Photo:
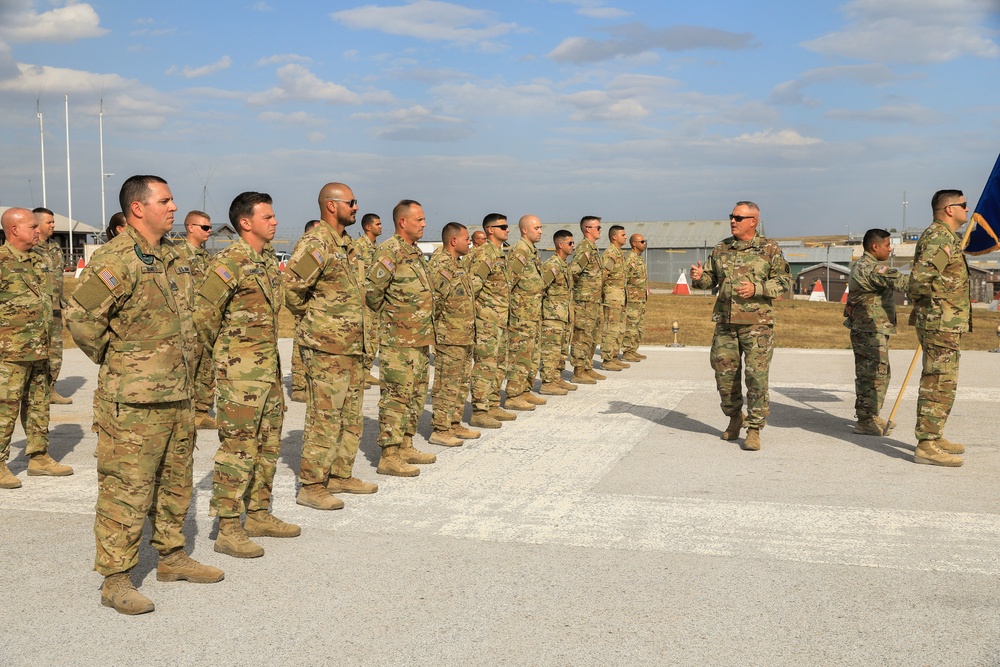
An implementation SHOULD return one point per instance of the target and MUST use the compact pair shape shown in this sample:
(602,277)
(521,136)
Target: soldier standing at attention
(588,284)
(25,319)
(324,288)
(398,288)
(491,288)
(198,226)
(557,317)
(236,317)
(371,228)
(636,295)
(613,262)
(942,312)
(298,372)
(478,238)
(750,272)
(454,336)
(525,320)
(871,317)
(52,252)
(128,315)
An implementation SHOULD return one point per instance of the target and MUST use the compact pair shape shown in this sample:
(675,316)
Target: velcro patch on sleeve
(92,293)
(215,288)
(941,259)
(306,265)
(224,273)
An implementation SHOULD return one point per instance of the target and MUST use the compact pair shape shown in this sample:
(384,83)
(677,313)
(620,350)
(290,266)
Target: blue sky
(822,112)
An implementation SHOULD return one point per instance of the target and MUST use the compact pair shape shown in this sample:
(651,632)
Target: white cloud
(429,20)
(297,83)
(33,79)
(631,39)
(417,123)
(261,7)
(294,118)
(792,92)
(776,138)
(911,113)
(912,31)
(19,22)
(595,9)
(284,58)
(219,65)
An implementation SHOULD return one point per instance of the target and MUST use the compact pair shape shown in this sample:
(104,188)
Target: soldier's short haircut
(614,230)
(368,219)
(748,204)
(561,236)
(242,207)
(944,197)
(450,231)
(873,236)
(42,209)
(401,209)
(196,214)
(311,224)
(115,225)
(493,218)
(136,188)
(588,218)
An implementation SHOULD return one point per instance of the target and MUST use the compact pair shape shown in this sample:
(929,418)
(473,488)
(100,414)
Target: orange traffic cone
(79,268)
(843,299)
(682,285)
(818,294)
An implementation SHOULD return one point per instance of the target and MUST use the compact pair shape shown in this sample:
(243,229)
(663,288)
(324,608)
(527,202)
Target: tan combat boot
(582,376)
(264,524)
(7,478)
(568,386)
(460,431)
(752,442)
(950,447)
(929,453)
(445,439)
(519,403)
(119,593)
(867,427)
(500,414)
(612,365)
(55,398)
(631,356)
(317,497)
(45,465)
(411,454)
(391,463)
(552,389)
(298,395)
(483,419)
(350,485)
(233,540)
(531,398)
(732,431)
(205,422)
(594,374)
(178,565)
(886,428)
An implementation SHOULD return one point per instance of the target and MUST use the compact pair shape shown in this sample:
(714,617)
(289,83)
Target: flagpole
(69,186)
(41,136)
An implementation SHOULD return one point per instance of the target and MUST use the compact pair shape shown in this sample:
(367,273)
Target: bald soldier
(525,320)
(25,319)
(366,244)
(478,238)
(636,295)
(54,264)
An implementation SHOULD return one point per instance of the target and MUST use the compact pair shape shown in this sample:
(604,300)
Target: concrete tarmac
(609,527)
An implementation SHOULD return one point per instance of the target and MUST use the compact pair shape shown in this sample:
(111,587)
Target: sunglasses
(963,204)
(351,203)
(741,218)
(204,228)
(503,227)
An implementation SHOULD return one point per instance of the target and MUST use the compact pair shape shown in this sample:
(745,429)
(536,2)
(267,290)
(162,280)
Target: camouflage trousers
(734,345)
(403,373)
(938,381)
(490,367)
(250,419)
(298,369)
(55,346)
(614,330)
(372,319)
(871,372)
(145,456)
(586,331)
(24,391)
(204,381)
(332,432)
(452,370)
(635,321)
(522,355)
(553,349)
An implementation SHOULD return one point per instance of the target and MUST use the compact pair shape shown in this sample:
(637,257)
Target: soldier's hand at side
(745,289)
(697,271)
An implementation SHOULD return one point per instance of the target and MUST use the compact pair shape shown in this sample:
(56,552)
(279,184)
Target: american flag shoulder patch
(224,273)
(108,278)
(883,268)
(387,263)
(318,256)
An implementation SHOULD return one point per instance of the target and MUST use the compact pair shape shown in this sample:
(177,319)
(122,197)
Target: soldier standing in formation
(750,272)
(399,290)
(25,320)
(324,288)
(942,312)
(613,299)
(588,286)
(371,229)
(557,317)
(636,294)
(236,317)
(198,226)
(491,288)
(525,319)
(454,336)
(478,238)
(298,393)
(870,314)
(55,263)
(128,315)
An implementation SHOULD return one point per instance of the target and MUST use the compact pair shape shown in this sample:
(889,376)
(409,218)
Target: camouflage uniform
(614,302)
(525,318)
(942,312)
(871,317)
(636,295)
(25,316)
(557,321)
(491,288)
(366,253)
(237,318)
(54,264)
(744,329)
(399,290)
(588,288)
(204,382)
(129,314)
(324,288)
(454,336)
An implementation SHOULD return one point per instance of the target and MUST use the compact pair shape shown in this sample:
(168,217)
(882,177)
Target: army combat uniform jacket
(614,276)
(939,282)
(399,288)
(525,283)
(491,284)
(588,272)
(870,306)
(557,300)
(25,305)
(732,261)
(636,281)
(454,307)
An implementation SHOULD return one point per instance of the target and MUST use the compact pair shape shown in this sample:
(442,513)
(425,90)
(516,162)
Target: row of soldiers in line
(153,325)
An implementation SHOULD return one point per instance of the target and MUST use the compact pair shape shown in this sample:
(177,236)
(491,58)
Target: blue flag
(984,237)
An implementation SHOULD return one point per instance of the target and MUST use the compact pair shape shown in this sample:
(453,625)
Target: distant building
(832,276)
(82,234)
